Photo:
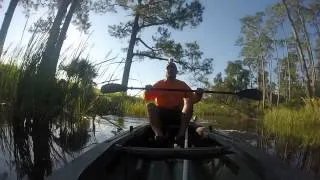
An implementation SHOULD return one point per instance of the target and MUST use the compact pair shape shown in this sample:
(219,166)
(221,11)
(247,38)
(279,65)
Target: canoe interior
(127,163)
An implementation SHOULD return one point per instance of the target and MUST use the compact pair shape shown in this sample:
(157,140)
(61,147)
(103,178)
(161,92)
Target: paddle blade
(112,88)
(254,94)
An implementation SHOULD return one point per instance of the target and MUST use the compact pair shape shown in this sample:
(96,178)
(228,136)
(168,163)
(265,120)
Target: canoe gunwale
(264,165)
(77,167)
(176,153)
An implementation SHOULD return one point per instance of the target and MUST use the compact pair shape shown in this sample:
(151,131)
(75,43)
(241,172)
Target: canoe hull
(217,156)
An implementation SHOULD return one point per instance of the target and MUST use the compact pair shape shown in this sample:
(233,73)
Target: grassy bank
(135,106)
(300,124)
(117,104)
(239,109)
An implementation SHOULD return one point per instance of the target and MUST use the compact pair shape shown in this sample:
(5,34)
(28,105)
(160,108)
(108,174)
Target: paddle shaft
(116,125)
(185,170)
(182,90)
(247,93)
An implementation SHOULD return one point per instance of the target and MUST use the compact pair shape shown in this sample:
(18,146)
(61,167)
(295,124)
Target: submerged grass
(302,124)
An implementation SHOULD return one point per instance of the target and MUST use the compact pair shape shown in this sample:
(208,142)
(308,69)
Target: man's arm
(186,116)
(195,97)
(187,111)
(148,95)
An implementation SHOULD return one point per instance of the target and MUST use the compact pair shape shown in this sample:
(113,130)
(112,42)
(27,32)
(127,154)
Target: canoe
(131,155)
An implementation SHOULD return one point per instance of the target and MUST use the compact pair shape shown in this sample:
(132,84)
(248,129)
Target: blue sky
(216,35)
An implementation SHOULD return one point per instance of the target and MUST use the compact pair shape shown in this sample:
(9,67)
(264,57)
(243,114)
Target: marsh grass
(301,124)
(239,109)
(134,107)
(206,109)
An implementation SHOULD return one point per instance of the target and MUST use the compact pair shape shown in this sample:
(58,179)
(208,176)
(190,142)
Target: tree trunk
(288,63)
(251,77)
(289,72)
(6,23)
(64,30)
(277,58)
(304,83)
(279,82)
(133,38)
(289,79)
(24,29)
(270,83)
(47,66)
(300,50)
(261,69)
(310,53)
(263,84)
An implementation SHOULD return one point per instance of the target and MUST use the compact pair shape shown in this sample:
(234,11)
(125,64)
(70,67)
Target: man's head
(171,70)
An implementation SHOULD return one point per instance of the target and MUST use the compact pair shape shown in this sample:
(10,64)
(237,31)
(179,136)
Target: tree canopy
(164,16)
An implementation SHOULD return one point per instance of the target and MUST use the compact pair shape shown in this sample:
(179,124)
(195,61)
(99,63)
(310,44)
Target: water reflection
(74,137)
(34,150)
(120,122)
(6,151)
(292,150)
(31,148)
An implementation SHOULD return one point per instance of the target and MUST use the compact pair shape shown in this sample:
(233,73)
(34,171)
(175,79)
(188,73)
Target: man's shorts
(170,120)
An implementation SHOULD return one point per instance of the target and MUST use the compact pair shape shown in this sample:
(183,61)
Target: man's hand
(148,87)
(200,92)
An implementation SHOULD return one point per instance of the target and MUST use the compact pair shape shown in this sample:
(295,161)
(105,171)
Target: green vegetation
(119,104)
(301,124)
(9,74)
(77,96)
(134,107)
(241,109)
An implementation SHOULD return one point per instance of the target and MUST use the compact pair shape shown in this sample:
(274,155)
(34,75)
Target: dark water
(25,155)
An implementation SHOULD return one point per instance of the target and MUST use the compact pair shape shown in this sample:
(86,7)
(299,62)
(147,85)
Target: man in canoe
(170,108)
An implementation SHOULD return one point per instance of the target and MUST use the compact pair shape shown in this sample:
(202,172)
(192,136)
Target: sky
(216,36)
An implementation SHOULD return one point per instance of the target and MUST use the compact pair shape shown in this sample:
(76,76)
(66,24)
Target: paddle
(247,93)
